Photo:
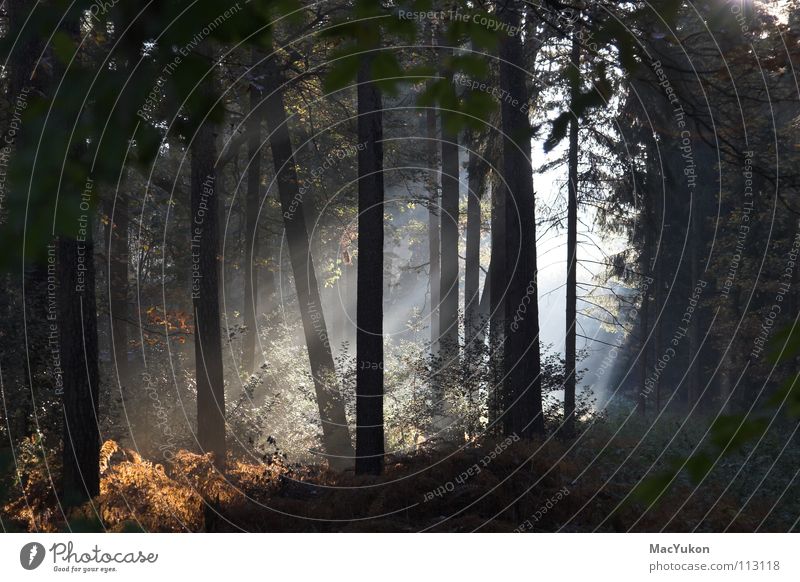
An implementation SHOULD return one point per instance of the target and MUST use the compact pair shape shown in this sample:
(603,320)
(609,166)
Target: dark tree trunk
(78,341)
(251,228)
(695,236)
(658,279)
(27,288)
(472,265)
(448,310)
(497,291)
(77,326)
(483,307)
(205,294)
(117,242)
(336,437)
(369,299)
(644,330)
(434,213)
(572,251)
(522,366)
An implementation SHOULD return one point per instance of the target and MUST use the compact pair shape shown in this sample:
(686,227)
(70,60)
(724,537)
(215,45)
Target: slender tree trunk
(472,265)
(644,330)
(523,385)
(692,374)
(570,378)
(657,343)
(336,437)
(434,229)
(77,328)
(251,232)
(448,319)
(205,294)
(117,251)
(369,299)
(28,306)
(434,223)
(77,333)
(483,308)
(497,296)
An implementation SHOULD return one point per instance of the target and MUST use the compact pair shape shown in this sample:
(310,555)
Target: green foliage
(728,434)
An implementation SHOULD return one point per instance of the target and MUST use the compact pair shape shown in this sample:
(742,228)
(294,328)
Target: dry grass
(190,495)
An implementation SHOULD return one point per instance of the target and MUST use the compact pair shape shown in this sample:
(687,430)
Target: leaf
(472,65)
(386,72)
(558,131)
(342,74)
(650,490)
(698,466)
(785,344)
(732,431)
(63,47)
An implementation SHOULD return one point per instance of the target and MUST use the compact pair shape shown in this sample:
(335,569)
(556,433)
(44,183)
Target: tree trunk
(205,246)
(77,328)
(572,250)
(497,290)
(434,222)
(369,298)
(472,265)
(117,242)
(448,318)
(251,233)
(657,343)
(692,374)
(26,296)
(522,364)
(483,307)
(433,229)
(644,330)
(336,437)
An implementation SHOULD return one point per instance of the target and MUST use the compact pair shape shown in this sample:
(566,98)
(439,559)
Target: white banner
(418,557)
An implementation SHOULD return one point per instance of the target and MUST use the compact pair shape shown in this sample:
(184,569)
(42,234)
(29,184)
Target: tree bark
(644,331)
(205,246)
(449,284)
(251,226)
(472,265)
(117,242)
(336,437)
(497,290)
(522,365)
(434,229)
(369,299)
(572,250)
(77,328)
(434,245)
(26,296)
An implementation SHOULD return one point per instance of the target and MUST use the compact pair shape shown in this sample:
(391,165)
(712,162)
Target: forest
(399,266)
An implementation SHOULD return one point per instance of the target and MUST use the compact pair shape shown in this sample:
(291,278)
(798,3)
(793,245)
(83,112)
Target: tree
(77,331)
(476,171)
(572,244)
(522,366)
(369,316)
(251,241)
(449,283)
(77,327)
(116,247)
(336,437)
(22,369)
(205,215)
(434,223)
(497,297)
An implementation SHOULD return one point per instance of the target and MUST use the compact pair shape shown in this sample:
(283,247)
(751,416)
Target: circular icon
(31,555)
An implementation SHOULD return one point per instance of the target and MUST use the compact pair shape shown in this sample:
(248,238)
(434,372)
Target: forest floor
(490,486)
